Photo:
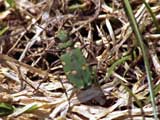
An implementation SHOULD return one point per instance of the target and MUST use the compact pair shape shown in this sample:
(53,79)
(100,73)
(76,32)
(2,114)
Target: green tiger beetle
(74,64)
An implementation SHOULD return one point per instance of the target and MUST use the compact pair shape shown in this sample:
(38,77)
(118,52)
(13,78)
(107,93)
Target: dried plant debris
(76,59)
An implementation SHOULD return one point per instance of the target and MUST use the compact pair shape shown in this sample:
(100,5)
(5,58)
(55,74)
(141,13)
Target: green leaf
(76,68)
(6,109)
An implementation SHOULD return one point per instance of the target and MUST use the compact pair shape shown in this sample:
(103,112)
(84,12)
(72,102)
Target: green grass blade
(26,108)
(152,15)
(118,62)
(138,36)
(3,30)
(5,109)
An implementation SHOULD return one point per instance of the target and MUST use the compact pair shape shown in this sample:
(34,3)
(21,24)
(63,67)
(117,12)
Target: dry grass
(31,73)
